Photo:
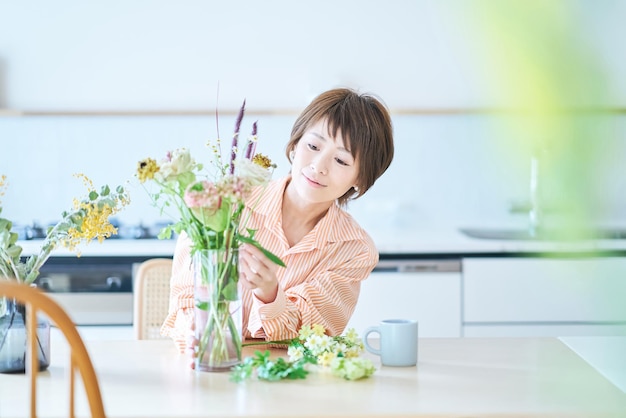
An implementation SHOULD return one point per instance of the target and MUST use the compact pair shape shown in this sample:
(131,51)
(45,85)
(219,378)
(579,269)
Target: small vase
(13,338)
(218,317)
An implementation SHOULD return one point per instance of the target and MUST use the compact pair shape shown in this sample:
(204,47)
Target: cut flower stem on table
(340,354)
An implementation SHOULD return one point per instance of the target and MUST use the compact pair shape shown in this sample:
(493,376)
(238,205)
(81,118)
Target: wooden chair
(36,301)
(151,290)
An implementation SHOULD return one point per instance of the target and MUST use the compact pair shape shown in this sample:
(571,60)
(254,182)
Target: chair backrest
(36,301)
(151,289)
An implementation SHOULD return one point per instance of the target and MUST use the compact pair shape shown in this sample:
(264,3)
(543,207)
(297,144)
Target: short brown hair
(364,123)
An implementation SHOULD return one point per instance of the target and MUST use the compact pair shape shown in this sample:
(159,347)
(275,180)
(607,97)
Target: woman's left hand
(258,273)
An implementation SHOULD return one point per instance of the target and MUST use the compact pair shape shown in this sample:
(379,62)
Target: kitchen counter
(425,241)
(607,354)
(504,377)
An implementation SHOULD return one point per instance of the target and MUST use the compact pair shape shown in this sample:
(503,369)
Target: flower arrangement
(340,354)
(209,208)
(86,221)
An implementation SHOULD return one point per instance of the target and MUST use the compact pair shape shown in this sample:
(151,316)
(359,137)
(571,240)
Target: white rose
(178,162)
(253,174)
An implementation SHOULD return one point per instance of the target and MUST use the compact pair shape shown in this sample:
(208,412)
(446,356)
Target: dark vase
(13,338)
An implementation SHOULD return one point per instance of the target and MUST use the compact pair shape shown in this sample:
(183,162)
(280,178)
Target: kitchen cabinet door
(97,308)
(544,296)
(432,298)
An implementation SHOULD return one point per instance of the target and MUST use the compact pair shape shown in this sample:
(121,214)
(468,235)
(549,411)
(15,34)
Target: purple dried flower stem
(233,148)
(251,143)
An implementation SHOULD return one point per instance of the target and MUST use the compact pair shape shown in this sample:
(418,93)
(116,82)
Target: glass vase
(218,317)
(13,338)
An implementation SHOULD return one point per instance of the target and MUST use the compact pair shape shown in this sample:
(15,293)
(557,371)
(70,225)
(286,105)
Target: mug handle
(368,347)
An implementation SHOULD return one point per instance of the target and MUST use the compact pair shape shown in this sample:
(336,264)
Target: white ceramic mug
(398,342)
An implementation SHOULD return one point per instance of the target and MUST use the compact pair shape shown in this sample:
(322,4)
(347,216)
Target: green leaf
(202,305)
(267,369)
(13,238)
(274,258)
(230,291)
(185,179)
(104,191)
(93,195)
(165,233)
(217,220)
(5,236)
(5,224)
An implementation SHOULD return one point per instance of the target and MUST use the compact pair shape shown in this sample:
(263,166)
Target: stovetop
(37,231)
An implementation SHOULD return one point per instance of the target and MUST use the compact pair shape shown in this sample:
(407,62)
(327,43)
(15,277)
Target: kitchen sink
(544,234)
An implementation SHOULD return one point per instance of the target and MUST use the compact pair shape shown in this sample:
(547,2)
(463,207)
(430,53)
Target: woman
(340,145)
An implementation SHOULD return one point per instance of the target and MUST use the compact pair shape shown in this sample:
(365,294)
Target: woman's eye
(341,162)
(312,147)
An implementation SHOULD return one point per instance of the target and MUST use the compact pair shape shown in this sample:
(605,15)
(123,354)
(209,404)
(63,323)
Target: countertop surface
(503,377)
(422,241)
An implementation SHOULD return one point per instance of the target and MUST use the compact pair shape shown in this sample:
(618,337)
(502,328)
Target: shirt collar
(333,227)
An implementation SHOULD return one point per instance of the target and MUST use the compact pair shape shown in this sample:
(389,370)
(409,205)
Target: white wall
(161,54)
(447,170)
(450,169)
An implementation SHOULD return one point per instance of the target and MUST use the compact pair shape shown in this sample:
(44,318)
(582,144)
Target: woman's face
(322,168)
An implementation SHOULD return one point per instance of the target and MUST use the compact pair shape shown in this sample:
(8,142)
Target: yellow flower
(95,225)
(91,219)
(263,161)
(3,185)
(318,329)
(146,169)
(352,335)
(326,358)
(305,332)
(86,181)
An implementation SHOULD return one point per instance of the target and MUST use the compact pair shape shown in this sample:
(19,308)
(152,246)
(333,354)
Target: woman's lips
(313,183)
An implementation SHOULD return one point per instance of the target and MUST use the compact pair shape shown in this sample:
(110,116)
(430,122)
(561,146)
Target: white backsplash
(447,170)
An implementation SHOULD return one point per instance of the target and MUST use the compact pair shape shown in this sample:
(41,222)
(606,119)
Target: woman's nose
(320,165)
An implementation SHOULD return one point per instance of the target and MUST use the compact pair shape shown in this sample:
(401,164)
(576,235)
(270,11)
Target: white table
(454,377)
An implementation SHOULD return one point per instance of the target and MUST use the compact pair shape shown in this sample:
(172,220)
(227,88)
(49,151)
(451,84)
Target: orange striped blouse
(320,284)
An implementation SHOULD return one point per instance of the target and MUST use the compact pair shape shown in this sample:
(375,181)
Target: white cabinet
(428,291)
(544,296)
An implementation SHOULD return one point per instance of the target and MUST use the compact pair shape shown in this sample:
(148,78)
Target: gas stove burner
(134,232)
(131,231)
(26,232)
(140,231)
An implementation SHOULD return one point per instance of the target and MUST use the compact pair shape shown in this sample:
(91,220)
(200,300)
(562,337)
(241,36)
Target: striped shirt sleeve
(326,295)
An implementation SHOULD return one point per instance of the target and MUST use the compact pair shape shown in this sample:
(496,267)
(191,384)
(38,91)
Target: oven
(94,290)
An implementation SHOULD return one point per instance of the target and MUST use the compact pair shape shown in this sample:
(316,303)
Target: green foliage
(269,255)
(312,346)
(270,370)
